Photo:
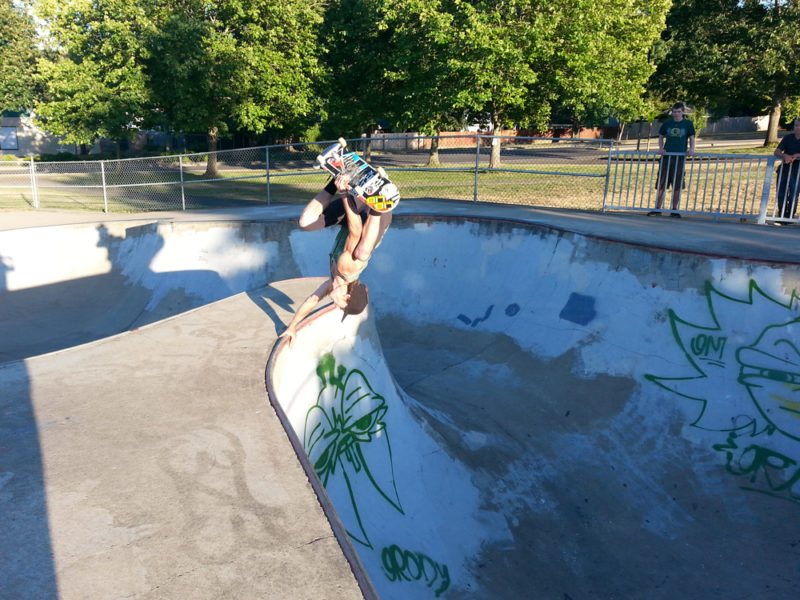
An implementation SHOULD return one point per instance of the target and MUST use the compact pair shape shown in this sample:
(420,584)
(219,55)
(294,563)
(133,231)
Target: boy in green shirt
(675,136)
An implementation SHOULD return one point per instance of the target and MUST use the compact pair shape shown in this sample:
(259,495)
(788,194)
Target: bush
(58,157)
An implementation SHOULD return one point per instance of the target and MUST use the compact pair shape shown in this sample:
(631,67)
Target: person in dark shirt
(788,151)
(676,135)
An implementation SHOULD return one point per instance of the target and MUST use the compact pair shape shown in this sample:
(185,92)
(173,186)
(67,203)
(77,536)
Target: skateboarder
(324,211)
(360,234)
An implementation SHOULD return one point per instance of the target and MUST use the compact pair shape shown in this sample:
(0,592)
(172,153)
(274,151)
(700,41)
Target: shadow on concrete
(26,552)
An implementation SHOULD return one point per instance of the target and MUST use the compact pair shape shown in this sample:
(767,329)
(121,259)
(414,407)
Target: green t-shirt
(676,134)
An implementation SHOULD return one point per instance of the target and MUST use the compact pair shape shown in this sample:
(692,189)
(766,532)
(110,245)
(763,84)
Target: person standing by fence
(676,139)
(788,151)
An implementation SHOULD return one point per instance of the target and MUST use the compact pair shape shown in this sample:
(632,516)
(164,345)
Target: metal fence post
(266,159)
(34,190)
(103,181)
(477,165)
(762,213)
(608,173)
(183,187)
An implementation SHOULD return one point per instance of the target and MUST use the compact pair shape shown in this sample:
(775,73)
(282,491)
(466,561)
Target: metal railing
(717,185)
(544,172)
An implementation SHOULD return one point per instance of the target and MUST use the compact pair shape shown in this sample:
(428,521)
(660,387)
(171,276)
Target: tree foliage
(727,53)
(94,81)
(184,65)
(18,56)
(420,64)
(249,63)
(428,63)
(357,48)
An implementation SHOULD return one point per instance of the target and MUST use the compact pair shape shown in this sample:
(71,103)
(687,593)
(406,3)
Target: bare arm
(373,230)
(305,309)
(784,156)
(355,227)
(311,219)
(691,146)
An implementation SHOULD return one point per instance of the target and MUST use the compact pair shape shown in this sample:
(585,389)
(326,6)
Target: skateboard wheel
(342,142)
(382,172)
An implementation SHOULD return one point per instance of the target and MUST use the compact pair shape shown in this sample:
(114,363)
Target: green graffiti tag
(750,344)
(769,472)
(345,434)
(407,565)
(347,440)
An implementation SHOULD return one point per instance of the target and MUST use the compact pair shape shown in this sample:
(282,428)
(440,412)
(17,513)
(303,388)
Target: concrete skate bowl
(62,286)
(524,412)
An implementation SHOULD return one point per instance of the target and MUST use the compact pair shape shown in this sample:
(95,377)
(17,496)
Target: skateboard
(368,184)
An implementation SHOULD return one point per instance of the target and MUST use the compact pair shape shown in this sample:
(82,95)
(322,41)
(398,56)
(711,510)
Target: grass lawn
(564,180)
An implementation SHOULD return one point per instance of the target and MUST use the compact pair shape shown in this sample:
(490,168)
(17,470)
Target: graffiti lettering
(757,378)
(708,346)
(406,565)
(771,473)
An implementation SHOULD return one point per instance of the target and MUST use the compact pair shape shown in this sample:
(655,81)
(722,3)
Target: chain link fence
(543,172)
(533,171)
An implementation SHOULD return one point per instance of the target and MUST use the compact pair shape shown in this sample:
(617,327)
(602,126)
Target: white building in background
(20,137)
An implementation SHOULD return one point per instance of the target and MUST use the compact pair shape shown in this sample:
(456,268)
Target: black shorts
(335,215)
(670,170)
(334,212)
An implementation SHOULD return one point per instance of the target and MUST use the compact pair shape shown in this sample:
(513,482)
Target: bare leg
(660,197)
(676,197)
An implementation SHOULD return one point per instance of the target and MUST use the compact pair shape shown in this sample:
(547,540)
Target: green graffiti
(753,345)
(345,437)
(770,369)
(769,472)
(407,565)
(347,440)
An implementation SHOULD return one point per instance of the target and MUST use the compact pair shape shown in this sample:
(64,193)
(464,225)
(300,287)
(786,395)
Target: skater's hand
(341,185)
(289,335)
(339,294)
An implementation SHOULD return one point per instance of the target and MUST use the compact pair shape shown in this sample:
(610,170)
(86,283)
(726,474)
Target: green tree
(18,56)
(246,63)
(183,65)
(605,57)
(518,58)
(420,77)
(723,53)
(94,81)
(357,49)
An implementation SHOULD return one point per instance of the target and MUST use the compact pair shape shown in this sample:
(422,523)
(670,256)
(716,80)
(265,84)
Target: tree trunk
(774,122)
(368,148)
(211,164)
(433,157)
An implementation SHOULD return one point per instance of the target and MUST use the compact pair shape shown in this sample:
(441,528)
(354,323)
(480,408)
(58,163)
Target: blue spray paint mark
(579,309)
(474,322)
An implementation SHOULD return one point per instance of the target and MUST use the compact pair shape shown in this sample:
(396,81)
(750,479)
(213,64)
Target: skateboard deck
(365,182)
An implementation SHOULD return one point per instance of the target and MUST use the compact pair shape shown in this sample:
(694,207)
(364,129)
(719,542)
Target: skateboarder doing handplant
(361,232)
(324,211)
